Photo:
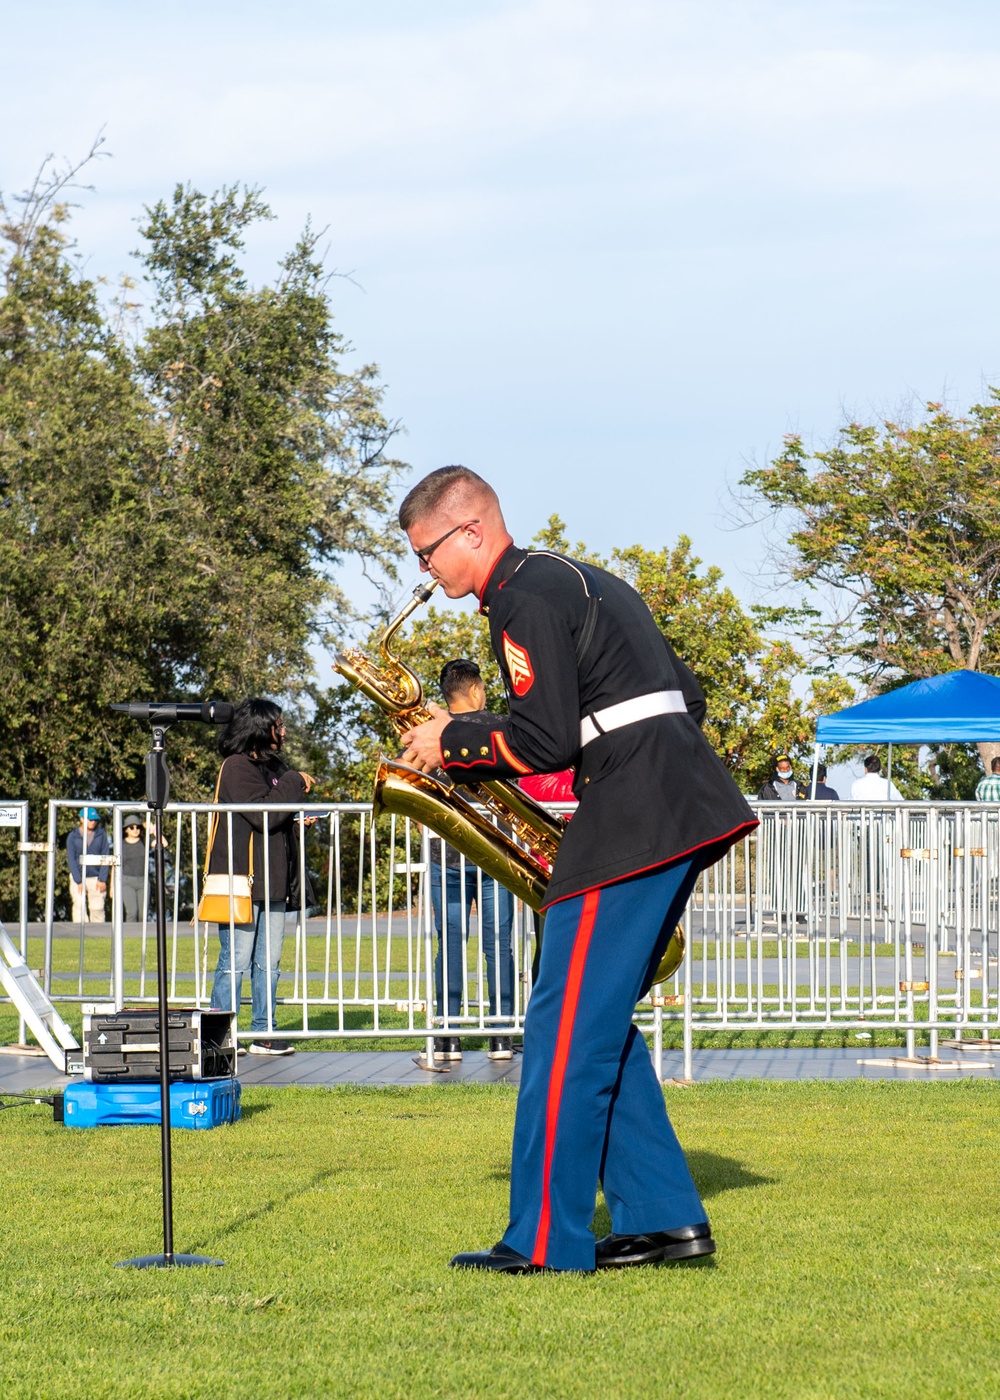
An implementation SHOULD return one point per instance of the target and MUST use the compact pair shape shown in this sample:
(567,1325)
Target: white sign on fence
(10,816)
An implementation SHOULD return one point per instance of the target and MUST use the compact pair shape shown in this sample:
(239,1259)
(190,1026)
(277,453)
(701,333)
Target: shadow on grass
(249,1110)
(714,1174)
(250,1217)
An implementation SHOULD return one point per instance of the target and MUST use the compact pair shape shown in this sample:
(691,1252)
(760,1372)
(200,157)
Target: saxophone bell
(408,792)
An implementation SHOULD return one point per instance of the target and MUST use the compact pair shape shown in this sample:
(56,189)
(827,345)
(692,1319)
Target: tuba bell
(521,861)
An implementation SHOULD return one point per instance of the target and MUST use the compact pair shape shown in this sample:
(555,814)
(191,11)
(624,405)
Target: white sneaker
(271,1047)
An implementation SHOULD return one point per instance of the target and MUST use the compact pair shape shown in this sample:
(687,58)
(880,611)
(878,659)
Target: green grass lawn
(856,1224)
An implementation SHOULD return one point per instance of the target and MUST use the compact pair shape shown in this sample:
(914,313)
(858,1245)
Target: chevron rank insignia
(519,666)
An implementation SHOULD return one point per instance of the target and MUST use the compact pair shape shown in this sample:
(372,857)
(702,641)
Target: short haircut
(821,773)
(873,764)
(249,730)
(458,677)
(439,489)
(995,765)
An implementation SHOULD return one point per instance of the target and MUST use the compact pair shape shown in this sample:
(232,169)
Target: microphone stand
(157,795)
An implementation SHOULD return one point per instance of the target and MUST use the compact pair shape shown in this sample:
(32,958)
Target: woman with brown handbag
(252,771)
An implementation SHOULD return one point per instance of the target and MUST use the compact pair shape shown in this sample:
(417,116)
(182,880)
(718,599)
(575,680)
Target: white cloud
(700,216)
(754,89)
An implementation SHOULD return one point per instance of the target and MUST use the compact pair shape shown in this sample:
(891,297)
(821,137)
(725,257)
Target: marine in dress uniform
(591,684)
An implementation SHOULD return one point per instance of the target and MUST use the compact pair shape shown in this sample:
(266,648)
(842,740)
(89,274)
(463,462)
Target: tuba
(521,861)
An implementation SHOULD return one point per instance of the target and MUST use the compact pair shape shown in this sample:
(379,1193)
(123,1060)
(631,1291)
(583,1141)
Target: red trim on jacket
(491,572)
(731,836)
(490,760)
(505,750)
(557,1075)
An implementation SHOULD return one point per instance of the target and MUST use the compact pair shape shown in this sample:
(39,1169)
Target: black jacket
(649,792)
(769,793)
(246,779)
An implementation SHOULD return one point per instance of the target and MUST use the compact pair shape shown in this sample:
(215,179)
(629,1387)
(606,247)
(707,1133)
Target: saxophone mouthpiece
(424,590)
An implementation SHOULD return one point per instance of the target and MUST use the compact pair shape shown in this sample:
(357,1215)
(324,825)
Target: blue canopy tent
(960,707)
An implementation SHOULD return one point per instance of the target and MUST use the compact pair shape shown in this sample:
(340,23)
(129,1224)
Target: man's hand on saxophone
(422,745)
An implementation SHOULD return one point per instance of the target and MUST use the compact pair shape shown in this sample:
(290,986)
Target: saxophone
(522,861)
(451,811)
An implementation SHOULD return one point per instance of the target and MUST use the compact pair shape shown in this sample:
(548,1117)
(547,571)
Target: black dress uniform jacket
(571,639)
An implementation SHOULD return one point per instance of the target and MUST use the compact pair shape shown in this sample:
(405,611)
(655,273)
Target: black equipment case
(125,1045)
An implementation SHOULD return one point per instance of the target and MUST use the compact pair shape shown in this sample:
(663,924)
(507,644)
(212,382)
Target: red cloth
(549,787)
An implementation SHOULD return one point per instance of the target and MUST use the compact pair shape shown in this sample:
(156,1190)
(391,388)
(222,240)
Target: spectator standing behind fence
(134,866)
(252,771)
(464,694)
(88,881)
(988,787)
(783,787)
(872,787)
(823,793)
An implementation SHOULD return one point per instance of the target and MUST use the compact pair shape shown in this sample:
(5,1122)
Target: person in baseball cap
(88,877)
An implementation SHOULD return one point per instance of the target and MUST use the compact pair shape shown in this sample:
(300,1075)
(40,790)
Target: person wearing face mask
(783,787)
(253,771)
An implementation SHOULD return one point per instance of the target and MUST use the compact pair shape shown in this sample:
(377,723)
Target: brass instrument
(451,811)
(398,691)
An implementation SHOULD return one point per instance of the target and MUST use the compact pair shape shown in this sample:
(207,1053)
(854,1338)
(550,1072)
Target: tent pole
(888,790)
(815,769)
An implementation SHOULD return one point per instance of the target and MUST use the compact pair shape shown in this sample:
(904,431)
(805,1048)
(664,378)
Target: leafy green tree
(900,522)
(278,455)
(748,678)
(171,506)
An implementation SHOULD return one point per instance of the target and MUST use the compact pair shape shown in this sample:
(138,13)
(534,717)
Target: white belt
(660,702)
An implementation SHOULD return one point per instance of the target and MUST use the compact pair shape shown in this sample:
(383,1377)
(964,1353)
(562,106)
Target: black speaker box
(126,1045)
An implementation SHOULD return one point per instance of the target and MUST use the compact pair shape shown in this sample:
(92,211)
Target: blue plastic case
(206,1103)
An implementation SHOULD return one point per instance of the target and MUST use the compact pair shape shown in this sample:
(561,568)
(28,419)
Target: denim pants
(495,918)
(590,1108)
(249,953)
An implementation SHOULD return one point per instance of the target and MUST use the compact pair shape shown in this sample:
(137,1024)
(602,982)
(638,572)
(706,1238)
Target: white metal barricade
(830,915)
(835,914)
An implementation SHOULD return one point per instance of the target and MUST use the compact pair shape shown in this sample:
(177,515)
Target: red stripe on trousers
(571,998)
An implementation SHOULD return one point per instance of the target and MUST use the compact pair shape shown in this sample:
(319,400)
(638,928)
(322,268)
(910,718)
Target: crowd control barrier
(830,915)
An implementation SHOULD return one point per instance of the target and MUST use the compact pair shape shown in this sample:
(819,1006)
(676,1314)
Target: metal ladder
(41,1017)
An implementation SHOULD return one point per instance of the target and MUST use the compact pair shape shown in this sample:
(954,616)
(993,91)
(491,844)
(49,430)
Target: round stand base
(176,1261)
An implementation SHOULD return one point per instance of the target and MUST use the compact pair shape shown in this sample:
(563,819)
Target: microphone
(167,712)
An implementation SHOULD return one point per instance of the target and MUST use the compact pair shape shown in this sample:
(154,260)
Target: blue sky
(609,251)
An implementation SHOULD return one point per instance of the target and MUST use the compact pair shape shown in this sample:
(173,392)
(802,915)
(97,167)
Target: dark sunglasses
(423,555)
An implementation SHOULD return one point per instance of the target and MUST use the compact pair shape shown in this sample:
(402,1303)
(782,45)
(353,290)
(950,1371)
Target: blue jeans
(249,953)
(492,912)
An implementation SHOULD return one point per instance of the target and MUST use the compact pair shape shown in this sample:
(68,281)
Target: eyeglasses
(424,555)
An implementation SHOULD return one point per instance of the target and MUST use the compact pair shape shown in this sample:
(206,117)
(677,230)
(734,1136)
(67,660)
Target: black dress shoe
(621,1251)
(501,1259)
